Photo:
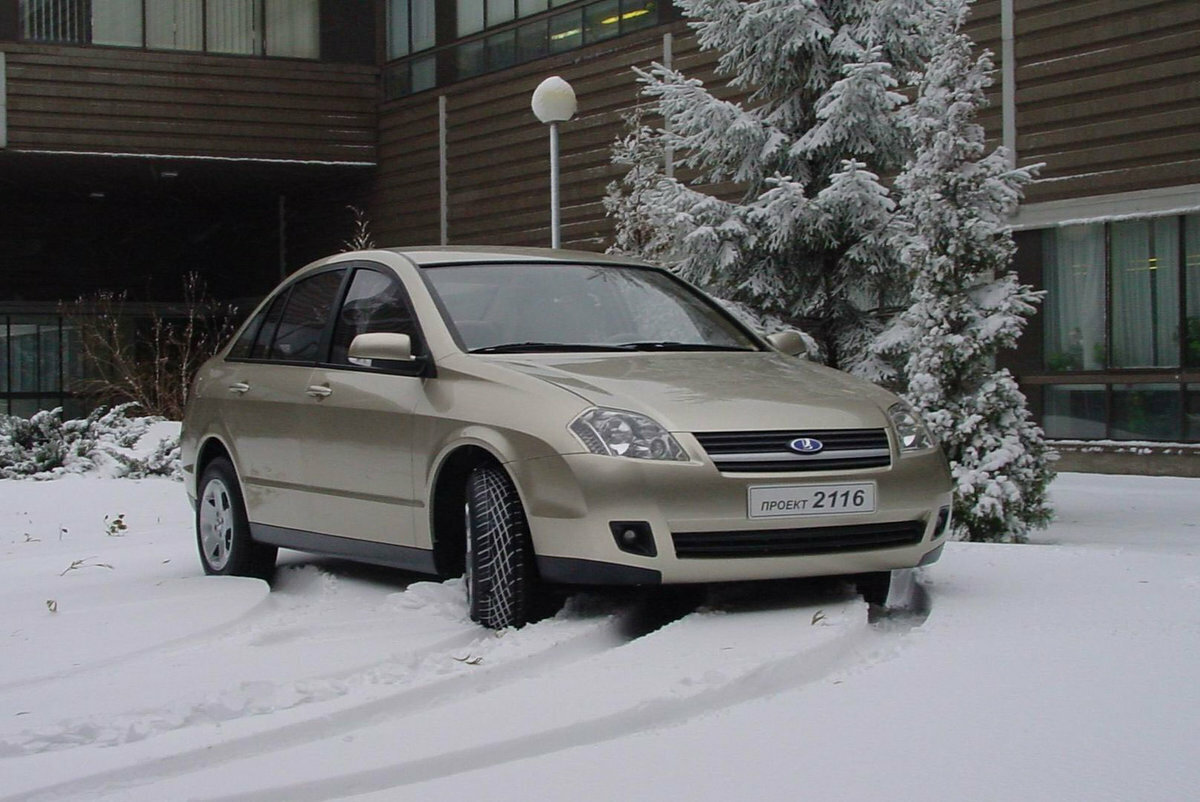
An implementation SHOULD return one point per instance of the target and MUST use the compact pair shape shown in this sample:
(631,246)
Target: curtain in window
(1073,259)
(117,22)
(175,24)
(397,21)
(527,7)
(233,26)
(423,24)
(470,17)
(1145,293)
(53,20)
(293,28)
(500,11)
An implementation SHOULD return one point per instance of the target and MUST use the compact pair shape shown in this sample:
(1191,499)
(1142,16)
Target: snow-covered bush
(108,441)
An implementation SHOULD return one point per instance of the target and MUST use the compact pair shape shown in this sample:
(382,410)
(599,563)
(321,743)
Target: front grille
(768,452)
(793,542)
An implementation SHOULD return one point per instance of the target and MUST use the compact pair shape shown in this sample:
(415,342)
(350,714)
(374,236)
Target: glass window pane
(293,28)
(373,303)
(470,59)
(49,354)
(53,20)
(24,357)
(4,345)
(397,13)
(1073,261)
(424,73)
(1193,412)
(308,307)
(175,24)
(1074,411)
(117,22)
(566,31)
(1145,293)
(424,30)
(499,12)
(232,26)
(262,343)
(245,341)
(470,17)
(1191,237)
(601,21)
(396,81)
(501,50)
(1146,412)
(527,8)
(532,42)
(637,14)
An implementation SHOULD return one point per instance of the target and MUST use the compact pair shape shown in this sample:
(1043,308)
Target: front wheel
(223,530)
(500,575)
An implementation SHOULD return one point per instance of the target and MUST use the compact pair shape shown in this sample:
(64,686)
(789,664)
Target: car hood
(715,391)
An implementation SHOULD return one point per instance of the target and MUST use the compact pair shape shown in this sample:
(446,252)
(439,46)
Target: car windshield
(525,308)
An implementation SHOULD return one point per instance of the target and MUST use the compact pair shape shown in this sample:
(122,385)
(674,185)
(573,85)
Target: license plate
(786,501)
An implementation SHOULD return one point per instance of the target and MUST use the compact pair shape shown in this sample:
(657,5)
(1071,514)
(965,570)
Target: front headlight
(909,429)
(617,433)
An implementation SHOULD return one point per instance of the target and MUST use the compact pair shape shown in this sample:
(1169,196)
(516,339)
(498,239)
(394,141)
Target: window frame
(86,33)
(421,365)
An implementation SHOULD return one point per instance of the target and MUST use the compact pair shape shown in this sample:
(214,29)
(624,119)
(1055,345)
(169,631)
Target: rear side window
(298,335)
(266,333)
(374,303)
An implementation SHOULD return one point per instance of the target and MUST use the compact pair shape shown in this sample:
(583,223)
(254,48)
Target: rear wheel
(500,576)
(222,529)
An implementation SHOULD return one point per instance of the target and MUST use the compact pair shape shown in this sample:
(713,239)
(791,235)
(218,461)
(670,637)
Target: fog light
(943,521)
(634,537)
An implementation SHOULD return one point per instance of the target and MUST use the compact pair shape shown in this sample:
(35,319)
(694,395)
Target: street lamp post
(554,102)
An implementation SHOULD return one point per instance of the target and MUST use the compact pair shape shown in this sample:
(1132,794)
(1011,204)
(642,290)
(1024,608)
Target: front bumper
(571,502)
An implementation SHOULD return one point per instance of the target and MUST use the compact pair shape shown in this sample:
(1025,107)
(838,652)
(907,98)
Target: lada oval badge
(806,445)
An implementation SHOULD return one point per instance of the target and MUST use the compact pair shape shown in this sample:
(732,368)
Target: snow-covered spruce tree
(786,211)
(967,305)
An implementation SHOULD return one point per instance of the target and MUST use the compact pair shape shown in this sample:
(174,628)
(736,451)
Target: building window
(490,35)
(1114,291)
(39,362)
(1145,293)
(280,28)
(1075,411)
(411,26)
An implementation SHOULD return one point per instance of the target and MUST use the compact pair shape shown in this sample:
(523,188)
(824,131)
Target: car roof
(428,256)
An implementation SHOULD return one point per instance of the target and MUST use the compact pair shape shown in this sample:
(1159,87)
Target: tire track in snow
(678,699)
(580,639)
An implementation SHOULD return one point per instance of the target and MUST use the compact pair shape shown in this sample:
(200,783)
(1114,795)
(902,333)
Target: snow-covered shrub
(108,441)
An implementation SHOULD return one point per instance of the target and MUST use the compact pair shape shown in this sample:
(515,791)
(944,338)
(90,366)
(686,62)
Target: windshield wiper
(668,345)
(534,347)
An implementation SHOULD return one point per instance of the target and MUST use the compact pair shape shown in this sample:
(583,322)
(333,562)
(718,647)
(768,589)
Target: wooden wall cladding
(112,100)
(1108,94)
(498,152)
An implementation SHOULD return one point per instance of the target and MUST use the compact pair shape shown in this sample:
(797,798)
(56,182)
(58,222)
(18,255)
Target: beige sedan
(527,417)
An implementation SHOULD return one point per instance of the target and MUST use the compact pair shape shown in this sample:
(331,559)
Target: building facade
(145,139)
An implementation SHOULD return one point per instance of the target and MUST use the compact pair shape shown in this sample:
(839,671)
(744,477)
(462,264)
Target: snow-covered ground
(1066,670)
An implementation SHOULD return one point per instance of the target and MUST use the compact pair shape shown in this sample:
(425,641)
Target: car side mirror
(789,342)
(383,345)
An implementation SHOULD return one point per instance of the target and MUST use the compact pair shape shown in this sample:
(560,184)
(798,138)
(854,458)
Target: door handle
(319,390)
(239,388)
